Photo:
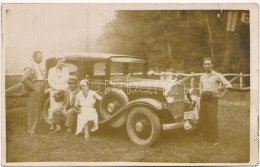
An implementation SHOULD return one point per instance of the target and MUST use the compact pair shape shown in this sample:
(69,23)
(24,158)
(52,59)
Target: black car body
(145,106)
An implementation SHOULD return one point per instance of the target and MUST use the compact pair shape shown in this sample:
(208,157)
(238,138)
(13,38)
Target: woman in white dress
(57,78)
(85,101)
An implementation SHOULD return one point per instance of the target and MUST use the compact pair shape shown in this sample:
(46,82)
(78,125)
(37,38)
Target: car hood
(145,83)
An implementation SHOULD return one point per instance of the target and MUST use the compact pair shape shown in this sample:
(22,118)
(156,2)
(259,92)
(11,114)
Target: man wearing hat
(67,111)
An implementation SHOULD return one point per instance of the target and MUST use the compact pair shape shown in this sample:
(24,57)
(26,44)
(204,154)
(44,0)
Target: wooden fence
(164,75)
(192,76)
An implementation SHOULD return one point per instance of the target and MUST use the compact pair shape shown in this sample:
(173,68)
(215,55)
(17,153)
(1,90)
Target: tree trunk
(210,36)
(168,45)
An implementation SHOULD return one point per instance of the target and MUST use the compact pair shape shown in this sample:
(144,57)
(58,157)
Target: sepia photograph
(129,84)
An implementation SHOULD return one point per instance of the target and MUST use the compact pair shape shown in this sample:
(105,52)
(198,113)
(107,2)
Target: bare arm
(97,96)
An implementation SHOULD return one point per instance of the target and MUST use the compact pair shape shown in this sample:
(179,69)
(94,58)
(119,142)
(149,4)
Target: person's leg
(213,120)
(33,103)
(57,119)
(203,117)
(86,130)
(70,119)
(52,104)
(32,112)
(95,121)
(58,128)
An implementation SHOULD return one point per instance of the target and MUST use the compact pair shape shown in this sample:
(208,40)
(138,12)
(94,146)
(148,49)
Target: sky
(50,28)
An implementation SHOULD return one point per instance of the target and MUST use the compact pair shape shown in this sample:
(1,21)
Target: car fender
(119,117)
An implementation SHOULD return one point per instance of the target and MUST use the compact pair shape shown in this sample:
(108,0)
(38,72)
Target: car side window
(99,70)
(116,69)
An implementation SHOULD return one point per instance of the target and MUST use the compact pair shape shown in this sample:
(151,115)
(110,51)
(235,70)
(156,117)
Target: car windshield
(121,67)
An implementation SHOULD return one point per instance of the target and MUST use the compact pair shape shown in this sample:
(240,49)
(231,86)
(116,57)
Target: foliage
(179,39)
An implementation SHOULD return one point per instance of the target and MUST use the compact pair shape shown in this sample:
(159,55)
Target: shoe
(31,133)
(56,131)
(215,144)
(51,128)
(69,130)
(94,128)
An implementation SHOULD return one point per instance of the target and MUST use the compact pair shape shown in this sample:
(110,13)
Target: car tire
(112,100)
(45,113)
(143,126)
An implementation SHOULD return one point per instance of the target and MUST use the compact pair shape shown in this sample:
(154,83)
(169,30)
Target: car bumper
(186,125)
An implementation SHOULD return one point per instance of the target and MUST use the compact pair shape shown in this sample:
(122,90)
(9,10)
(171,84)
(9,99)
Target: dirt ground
(112,144)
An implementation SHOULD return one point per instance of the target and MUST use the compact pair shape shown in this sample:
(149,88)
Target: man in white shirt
(33,81)
(209,89)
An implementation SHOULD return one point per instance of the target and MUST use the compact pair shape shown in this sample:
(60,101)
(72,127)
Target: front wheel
(143,126)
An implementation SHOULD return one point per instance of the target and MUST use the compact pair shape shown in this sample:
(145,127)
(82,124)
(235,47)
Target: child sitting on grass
(85,101)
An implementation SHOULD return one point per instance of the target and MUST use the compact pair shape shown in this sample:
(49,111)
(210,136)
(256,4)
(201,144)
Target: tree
(178,39)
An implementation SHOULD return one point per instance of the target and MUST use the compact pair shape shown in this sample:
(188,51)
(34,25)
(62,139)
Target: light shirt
(57,82)
(38,72)
(210,82)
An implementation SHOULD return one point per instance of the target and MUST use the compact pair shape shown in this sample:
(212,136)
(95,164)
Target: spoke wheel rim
(141,126)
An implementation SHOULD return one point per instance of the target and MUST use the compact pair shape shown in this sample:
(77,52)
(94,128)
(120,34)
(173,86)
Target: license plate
(188,115)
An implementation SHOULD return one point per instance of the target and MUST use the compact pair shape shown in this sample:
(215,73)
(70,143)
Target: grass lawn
(112,144)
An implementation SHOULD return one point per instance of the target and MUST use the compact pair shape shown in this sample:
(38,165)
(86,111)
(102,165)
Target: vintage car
(144,106)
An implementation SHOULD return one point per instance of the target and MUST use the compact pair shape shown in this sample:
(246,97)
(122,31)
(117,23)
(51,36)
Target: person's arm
(224,82)
(65,77)
(66,99)
(26,79)
(76,104)
(97,96)
(50,80)
(201,85)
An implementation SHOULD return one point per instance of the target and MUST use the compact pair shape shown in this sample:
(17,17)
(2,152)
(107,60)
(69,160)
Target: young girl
(85,101)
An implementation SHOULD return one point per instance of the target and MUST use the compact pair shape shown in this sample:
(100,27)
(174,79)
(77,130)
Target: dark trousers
(71,117)
(208,115)
(34,106)
(59,116)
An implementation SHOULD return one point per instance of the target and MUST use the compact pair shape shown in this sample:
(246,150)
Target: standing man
(209,87)
(33,81)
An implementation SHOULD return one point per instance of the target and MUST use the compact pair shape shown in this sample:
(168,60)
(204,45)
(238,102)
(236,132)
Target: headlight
(169,99)
(191,94)
(173,93)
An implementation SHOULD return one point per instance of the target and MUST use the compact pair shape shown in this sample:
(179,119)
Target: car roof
(90,56)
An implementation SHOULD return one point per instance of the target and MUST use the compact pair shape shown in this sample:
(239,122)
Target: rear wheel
(46,111)
(143,126)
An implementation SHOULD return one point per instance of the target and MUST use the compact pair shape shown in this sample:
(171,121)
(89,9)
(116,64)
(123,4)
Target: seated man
(68,111)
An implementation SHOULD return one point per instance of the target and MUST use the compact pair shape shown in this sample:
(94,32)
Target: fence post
(241,81)
(192,80)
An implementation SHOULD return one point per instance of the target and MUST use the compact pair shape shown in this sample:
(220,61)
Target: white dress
(87,110)
(56,83)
